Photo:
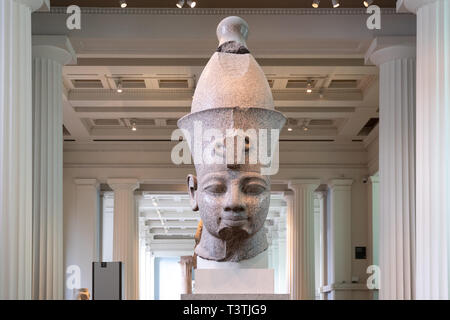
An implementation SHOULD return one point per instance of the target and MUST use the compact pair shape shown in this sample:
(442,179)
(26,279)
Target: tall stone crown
(232,91)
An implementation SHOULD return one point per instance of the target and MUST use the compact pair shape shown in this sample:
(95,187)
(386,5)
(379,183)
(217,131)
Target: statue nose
(234,201)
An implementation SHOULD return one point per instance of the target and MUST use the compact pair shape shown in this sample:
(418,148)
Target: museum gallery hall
(94,190)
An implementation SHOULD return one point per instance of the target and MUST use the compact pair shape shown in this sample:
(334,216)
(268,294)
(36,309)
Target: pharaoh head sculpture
(232,132)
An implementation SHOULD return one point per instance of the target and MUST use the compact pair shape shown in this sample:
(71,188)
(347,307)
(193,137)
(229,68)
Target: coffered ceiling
(342,106)
(159,57)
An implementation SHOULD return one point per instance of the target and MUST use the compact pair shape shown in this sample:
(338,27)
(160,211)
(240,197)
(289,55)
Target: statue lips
(234,220)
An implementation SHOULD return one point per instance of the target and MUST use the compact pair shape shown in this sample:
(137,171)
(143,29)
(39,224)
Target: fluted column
(374,223)
(125,247)
(186,264)
(289,198)
(50,53)
(81,246)
(432,148)
(274,259)
(16,148)
(282,259)
(396,58)
(301,238)
(340,233)
(322,198)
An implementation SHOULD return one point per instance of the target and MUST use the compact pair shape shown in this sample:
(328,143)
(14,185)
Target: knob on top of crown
(232,29)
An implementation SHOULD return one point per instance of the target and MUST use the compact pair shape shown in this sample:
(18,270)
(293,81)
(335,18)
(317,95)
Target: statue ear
(192,188)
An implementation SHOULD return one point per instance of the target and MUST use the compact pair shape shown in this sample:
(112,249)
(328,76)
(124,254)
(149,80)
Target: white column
(432,148)
(50,53)
(340,236)
(16,148)
(322,198)
(186,265)
(274,256)
(396,58)
(282,258)
(126,238)
(374,224)
(289,198)
(83,236)
(301,238)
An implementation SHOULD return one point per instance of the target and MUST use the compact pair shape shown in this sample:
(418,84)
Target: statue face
(233,204)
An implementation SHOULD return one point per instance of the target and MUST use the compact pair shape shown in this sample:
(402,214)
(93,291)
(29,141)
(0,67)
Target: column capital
(288,194)
(375,178)
(57,48)
(87,182)
(187,260)
(412,5)
(321,194)
(303,183)
(123,184)
(385,49)
(34,4)
(340,183)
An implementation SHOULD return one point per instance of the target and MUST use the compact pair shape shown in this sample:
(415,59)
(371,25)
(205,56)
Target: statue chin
(230,233)
(232,245)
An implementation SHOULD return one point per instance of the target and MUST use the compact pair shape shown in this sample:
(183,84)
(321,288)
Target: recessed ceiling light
(123,4)
(309,88)
(134,128)
(119,86)
(336,3)
(180,4)
(305,125)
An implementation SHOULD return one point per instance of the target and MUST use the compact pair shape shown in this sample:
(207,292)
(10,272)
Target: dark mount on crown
(232,47)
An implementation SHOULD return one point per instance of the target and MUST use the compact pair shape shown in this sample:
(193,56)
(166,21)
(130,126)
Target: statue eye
(216,188)
(254,189)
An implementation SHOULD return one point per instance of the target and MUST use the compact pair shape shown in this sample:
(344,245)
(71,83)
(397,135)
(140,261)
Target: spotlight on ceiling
(180,4)
(123,4)
(191,3)
(367,3)
(305,125)
(336,3)
(316,4)
(289,125)
(119,86)
(309,88)
(134,128)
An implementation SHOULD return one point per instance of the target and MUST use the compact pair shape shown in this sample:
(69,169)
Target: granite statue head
(232,132)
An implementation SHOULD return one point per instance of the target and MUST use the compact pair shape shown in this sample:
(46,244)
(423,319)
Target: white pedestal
(235,297)
(234,281)
(261,261)
(245,280)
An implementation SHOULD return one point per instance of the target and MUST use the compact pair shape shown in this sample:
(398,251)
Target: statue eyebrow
(213,176)
(246,179)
